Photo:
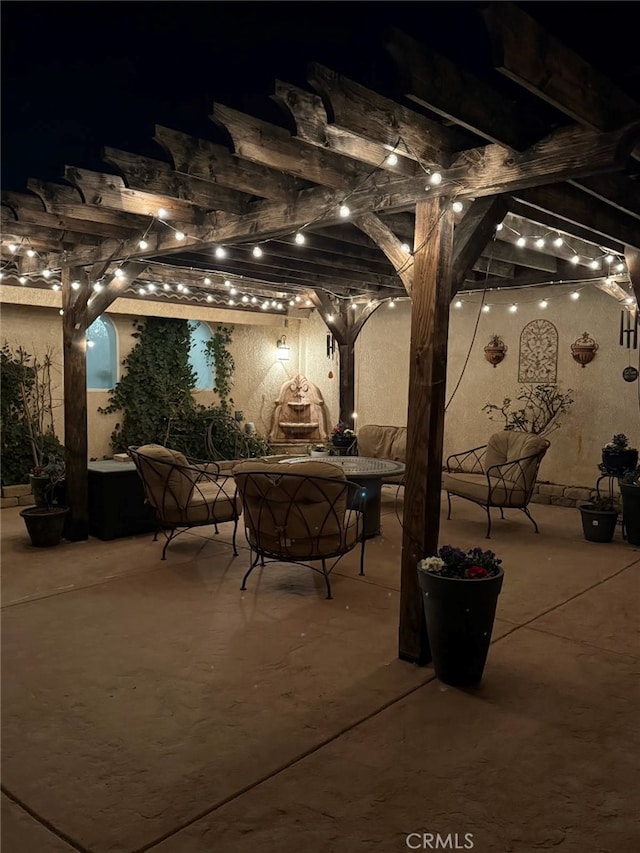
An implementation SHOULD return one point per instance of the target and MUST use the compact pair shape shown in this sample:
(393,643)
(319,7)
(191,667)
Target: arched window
(200,334)
(102,360)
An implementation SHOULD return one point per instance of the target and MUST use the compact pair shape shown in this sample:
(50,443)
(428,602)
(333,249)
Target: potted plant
(599,518)
(343,437)
(318,450)
(630,492)
(460,592)
(45,521)
(618,456)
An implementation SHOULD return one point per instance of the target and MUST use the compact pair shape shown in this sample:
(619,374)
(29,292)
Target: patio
(153,706)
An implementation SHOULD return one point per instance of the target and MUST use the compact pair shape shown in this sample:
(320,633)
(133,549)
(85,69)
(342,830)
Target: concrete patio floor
(152,705)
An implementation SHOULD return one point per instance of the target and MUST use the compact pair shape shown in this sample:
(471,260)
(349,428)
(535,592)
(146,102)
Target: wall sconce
(584,349)
(283,348)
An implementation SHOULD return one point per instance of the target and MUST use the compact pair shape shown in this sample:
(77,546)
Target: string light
(256,252)
(143,244)
(300,238)
(543,303)
(435,179)
(344,211)
(457,206)
(558,242)
(392,159)
(513,308)
(75,285)
(220,252)
(458,304)
(521,241)
(162,213)
(575,295)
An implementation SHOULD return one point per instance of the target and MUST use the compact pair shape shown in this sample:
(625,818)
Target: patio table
(367,472)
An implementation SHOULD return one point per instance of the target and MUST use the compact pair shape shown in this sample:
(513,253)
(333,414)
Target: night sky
(80,75)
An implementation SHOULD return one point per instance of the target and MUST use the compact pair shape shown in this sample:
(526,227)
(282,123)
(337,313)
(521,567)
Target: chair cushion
(169,486)
(476,488)
(509,445)
(210,503)
(383,442)
(297,510)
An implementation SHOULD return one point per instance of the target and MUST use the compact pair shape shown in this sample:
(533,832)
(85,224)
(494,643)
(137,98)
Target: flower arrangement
(451,562)
(618,442)
(53,469)
(341,428)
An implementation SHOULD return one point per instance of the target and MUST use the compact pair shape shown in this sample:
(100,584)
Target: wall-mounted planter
(495,351)
(584,349)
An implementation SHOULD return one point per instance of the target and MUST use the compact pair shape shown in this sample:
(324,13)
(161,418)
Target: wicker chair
(499,474)
(184,492)
(300,513)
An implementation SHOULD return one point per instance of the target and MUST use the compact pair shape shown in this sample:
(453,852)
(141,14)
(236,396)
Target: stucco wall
(258,374)
(604,403)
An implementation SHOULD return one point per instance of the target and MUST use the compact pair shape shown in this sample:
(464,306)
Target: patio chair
(301,513)
(184,492)
(499,474)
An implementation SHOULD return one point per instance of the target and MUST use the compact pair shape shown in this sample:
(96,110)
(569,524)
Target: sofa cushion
(384,442)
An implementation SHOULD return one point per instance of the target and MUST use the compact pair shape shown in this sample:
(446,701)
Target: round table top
(356,466)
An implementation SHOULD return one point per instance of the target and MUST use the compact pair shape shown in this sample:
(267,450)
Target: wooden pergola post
(425,421)
(74,326)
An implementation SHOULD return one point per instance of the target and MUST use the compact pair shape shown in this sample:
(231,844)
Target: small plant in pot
(45,521)
(460,592)
(618,456)
(343,436)
(599,518)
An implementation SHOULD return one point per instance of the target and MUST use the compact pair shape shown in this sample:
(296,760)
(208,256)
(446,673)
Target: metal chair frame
(269,513)
(506,478)
(193,477)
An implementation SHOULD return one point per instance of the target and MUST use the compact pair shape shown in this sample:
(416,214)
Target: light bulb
(23,279)
(540,243)
(620,268)
(392,159)
(458,304)
(151,287)
(245,298)
(61,312)
(12,248)
(75,285)
(575,295)
(435,179)
(143,244)
(521,241)
(457,206)
(558,242)
(233,291)
(629,300)
(513,308)
(265,305)
(118,273)
(166,286)
(329,318)
(257,252)
(55,286)
(232,302)
(97,287)
(207,280)
(142,291)
(575,259)
(209,297)
(543,303)
(486,308)
(499,227)
(299,238)
(180,235)
(31,253)
(392,304)
(91,344)
(162,213)
(609,259)
(594,264)
(220,252)
(253,300)
(406,248)
(46,273)
(344,211)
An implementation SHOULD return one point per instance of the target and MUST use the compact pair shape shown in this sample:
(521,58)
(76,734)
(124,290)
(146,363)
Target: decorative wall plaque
(538,361)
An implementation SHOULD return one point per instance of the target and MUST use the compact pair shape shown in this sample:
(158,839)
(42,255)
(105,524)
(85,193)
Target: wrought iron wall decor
(538,362)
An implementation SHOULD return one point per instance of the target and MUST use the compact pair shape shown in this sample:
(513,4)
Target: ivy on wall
(155,395)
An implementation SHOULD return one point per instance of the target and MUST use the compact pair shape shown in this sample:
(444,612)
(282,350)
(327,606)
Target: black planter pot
(346,444)
(459,614)
(631,512)
(598,525)
(45,525)
(619,461)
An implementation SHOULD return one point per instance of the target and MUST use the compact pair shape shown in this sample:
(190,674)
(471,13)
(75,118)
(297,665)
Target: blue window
(200,334)
(102,360)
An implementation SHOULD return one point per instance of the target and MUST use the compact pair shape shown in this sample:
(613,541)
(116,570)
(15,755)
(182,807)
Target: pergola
(355,197)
